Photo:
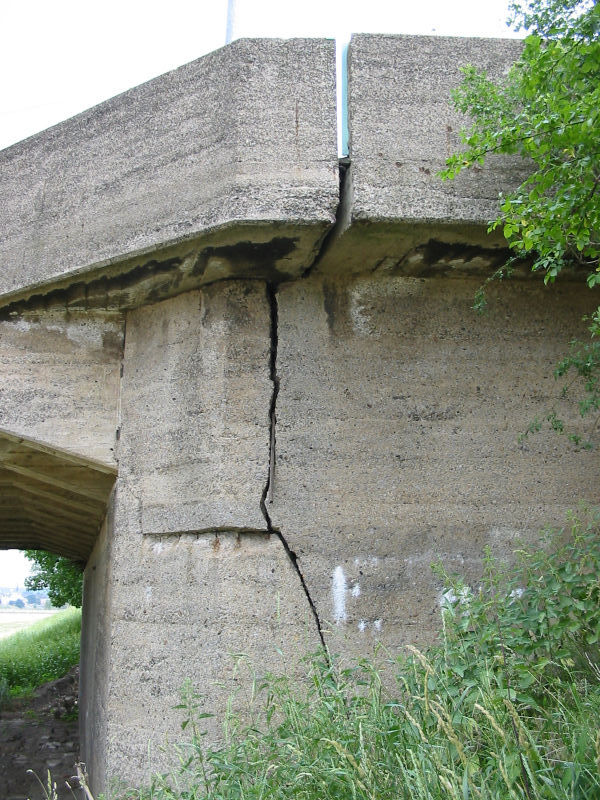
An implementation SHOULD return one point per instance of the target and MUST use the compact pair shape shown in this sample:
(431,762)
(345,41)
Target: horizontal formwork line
(207,531)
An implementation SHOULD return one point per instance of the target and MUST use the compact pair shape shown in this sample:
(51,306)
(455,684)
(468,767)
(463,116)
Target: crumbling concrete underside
(260,428)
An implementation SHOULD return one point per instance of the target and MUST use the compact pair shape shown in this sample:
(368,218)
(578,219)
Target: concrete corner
(403,127)
(243,138)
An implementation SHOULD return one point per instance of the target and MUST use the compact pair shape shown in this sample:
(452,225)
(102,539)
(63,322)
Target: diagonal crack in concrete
(267,495)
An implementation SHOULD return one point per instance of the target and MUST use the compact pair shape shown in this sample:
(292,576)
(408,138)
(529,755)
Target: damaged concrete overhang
(50,499)
(227,168)
(223,168)
(270,252)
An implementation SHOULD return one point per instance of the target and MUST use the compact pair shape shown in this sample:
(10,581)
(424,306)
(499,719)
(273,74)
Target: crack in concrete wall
(267,495)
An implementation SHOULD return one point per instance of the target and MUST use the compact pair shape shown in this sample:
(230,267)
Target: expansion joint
(341,216)
(267,494)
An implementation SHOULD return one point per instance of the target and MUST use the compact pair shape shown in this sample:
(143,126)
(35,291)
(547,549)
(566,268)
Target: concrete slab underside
(50,499)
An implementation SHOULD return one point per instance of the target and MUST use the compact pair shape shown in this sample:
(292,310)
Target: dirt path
(40,735)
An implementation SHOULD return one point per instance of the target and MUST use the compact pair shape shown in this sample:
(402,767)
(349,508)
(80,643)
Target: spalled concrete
(242,139)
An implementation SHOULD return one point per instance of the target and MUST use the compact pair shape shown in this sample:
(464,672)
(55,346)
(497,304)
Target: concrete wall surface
(243,135)
(195,574)
(402,128)
(257,402)
(395,445)
(398,417)
(196,368)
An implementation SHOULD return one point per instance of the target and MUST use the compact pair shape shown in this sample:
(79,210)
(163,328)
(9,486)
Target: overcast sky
(13,568)
(60,57)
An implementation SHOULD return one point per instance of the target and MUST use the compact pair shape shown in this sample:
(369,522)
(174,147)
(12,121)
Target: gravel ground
(40,734)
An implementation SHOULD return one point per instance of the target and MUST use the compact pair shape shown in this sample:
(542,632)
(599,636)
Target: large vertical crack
(267,495)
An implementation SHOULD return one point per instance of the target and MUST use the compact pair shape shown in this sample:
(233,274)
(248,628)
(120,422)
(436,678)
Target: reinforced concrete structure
(242,382)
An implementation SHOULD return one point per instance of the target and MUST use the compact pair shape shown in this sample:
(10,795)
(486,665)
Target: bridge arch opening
(55,500)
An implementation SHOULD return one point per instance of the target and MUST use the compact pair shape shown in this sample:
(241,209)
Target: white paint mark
(377,624)
(338,591)
(362,625)
(361,315)
(447,599)
(368,561)
(368,297)
(158,547)
(148,594)
(80,334)
(355,590)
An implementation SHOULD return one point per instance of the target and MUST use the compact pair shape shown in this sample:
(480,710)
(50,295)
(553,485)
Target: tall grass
(506,707)
(42,652)
(347,739)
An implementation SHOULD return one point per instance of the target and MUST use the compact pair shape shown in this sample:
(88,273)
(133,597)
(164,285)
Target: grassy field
(15,620)
(42,652)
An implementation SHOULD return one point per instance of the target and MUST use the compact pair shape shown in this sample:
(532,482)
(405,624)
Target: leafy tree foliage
(547,111)
(62,577)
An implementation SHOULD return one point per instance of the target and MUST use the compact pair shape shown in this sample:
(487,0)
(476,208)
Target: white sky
(59,57)
(13,568)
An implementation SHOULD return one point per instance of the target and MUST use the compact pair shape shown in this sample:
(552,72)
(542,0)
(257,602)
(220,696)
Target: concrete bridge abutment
(257,408)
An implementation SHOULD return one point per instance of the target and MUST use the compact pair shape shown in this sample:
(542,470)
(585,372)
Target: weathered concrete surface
(393,409)
(183,607)
(402,128)
(241,138)
(95,672)
(194,576)
(194,448)
(60,379)
(265,252)
(397,422)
